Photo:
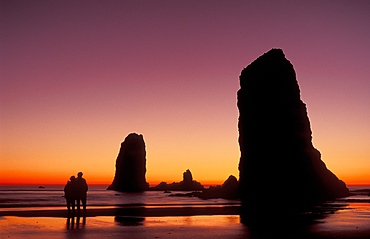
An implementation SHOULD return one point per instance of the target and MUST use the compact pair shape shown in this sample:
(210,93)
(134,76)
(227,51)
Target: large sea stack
(131,166)
(278,162)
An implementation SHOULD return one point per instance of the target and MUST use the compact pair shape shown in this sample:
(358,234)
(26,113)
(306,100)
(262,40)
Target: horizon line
(150,185)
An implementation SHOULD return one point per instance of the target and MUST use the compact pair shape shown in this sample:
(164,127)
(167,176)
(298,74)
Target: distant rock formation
(187,184)
(131,166)
(187,177)
(228,190)
(278,161)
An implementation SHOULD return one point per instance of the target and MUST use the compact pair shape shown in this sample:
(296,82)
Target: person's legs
(68,204)
(84,202)
(78,204)
(73,202)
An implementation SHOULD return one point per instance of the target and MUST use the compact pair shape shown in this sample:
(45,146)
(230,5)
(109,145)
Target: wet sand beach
(343,221)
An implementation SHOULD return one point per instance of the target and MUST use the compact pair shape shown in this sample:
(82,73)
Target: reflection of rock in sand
(129,221)
(275,138)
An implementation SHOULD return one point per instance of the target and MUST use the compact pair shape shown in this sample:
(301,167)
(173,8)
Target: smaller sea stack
(131,166)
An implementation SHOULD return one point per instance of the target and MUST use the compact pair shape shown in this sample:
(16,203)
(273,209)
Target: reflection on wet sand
(250,216)
(129,221)
(73,221)
(325,222)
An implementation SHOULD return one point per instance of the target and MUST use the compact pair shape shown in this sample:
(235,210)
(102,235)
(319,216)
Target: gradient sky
(78,76)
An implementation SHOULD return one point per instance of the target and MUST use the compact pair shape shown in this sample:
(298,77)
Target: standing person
(70,193)
(81,190)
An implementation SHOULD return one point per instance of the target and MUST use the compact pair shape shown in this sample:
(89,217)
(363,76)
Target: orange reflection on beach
(26,226)
(201,221)
(352,220)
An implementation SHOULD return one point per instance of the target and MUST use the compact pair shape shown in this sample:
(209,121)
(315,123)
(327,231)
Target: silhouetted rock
(275,138)
(131,166)
(187,177)
(160,187)
(187,184)
(228,190)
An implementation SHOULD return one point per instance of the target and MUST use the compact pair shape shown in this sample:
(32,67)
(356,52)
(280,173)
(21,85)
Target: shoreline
(8,206)
(129,211)
(163,210)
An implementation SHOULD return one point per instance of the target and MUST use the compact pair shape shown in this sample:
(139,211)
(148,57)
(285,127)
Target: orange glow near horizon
(33,179)
(29,178)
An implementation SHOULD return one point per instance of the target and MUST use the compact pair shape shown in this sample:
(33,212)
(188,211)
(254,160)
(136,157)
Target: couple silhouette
(75,190)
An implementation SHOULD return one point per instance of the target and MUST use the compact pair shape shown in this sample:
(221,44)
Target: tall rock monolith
(131,165)
(278,162)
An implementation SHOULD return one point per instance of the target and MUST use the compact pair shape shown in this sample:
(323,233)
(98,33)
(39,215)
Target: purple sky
(78,76)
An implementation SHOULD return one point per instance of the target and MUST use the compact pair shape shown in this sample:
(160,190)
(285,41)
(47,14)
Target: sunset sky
(76,77)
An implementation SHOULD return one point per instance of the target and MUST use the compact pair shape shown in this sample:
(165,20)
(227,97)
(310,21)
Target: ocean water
(21,196)
(31,196)
(345,218)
